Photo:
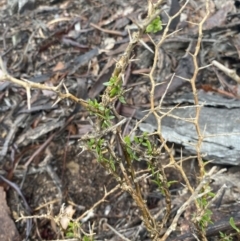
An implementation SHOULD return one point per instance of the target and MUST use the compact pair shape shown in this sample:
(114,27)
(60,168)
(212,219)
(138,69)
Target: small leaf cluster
(72,230)
(225,237)
(132,145)
(129,148)
(86,238)
(116,88)
(100,147)
(155,26)
(206,217)
(102,112)
(96,105)
(144,141)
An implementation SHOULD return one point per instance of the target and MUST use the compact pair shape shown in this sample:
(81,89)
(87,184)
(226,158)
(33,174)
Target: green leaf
(113,79)
(107,84)
(232,223)
(225,237)
(149,146)
(136,139)
(171,182)
(70,235)
(111,117)
(86,238)
(127,140)
(113,92)
(154,26)
(149,29)
(112,165)
(122,100)
(211,194)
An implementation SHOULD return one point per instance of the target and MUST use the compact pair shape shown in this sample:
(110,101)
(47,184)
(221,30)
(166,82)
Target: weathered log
(219,123)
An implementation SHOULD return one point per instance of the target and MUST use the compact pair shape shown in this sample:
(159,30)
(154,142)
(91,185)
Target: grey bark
(219,123)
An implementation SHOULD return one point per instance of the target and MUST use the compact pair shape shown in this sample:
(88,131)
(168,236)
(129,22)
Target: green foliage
(111,82)
(157,179)
(129,148)
(72,230)
(86,238)
(233,225)
(99,146)
(203,202)
(104,113)
(225,237)
(144,141)
(94,104)
(122,100)
(141,141)
(155,26)
(206,217)
(116,88)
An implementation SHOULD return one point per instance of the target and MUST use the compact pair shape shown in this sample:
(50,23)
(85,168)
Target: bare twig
(229,72)
(106,194)
(28,85)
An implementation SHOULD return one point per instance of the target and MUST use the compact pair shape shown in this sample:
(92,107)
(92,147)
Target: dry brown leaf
(59,66)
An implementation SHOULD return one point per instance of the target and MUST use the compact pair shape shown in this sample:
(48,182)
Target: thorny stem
(28,85)
(136,193)
(118,72)
(123,62)
(198,109)
(158,119)
(194,90)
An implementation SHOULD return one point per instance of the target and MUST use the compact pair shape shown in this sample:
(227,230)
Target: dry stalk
(131,186)
(147,218)
(194,89)
(28,85)
(229,72)
(198,108)
(124,60)
(195,195)
(195,120)
(158,119)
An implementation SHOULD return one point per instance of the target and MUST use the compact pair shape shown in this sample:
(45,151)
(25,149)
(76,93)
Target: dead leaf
(66,216)
(95,66)
(59,66)
(109,43)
